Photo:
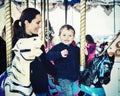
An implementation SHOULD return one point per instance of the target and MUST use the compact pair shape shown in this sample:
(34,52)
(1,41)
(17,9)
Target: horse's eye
(106,65)
(34,39)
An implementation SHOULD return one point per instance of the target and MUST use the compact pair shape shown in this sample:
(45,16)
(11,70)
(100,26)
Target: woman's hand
(85,51)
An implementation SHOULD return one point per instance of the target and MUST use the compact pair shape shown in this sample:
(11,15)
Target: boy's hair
(69,27)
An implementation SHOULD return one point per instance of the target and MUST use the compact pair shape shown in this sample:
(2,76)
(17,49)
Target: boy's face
(67,36)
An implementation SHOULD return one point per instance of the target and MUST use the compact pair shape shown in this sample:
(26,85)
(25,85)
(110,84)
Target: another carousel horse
(97,73)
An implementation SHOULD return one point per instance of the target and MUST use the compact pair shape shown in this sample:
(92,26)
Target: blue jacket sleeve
(54,54)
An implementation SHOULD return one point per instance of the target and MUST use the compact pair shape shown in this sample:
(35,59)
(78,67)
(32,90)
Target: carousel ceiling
(72,2)
(107,5)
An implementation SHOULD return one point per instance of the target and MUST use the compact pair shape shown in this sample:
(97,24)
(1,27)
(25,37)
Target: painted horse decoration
(16,80)
(98,72)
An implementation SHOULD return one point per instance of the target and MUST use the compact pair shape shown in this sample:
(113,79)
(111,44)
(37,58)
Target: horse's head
(108,64)
(28,48)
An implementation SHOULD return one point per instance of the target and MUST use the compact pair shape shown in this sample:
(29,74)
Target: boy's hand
(64,53)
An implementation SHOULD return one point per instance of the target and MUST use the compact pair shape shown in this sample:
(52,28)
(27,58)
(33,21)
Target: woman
(29,71)
(90,48)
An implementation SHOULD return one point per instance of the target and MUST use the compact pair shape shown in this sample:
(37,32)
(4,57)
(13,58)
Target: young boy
(67,59)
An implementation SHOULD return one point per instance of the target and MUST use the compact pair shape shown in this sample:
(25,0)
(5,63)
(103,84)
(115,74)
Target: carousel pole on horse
(110,44)
(43,20)
(82,33)
(27,3)
(8,37)
(48,29)
(8,32)
(82,36)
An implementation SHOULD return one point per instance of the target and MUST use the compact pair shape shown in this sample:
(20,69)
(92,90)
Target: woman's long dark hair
(19,25)
(89,39)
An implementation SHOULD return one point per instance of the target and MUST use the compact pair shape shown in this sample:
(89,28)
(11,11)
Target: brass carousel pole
(43,20)
(8,26)
(48,29)
(82,33)
(26,3)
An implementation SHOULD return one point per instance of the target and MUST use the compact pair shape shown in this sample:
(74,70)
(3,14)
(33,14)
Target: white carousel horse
(18,82)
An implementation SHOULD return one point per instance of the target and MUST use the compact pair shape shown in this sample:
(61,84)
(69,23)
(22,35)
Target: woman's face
(34,26)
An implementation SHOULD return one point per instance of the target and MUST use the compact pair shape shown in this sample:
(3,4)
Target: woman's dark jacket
(39,70)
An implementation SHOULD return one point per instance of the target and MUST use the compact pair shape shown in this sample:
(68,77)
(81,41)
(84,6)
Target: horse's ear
(110,54)
(16,49)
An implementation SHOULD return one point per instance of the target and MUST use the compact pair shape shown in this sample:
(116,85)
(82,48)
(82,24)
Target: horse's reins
(110,44)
